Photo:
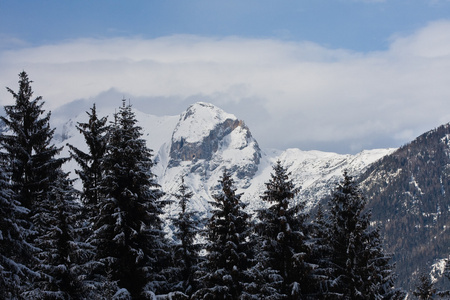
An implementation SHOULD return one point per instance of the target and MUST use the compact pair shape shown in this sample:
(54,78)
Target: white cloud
(331,99)
(430,42)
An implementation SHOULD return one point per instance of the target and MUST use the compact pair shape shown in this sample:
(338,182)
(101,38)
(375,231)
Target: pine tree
(29,146)
(425,288)
(320,251)
(283,229)
(227,245)
(95,133)
(360,268)
(264,283)
(15,252)
(31,157)
(91,172)
(61,252)
(128,232)
(186,250)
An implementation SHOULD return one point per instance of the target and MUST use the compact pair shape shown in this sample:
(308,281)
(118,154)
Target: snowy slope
(204,140)
(314,172)
(198,121)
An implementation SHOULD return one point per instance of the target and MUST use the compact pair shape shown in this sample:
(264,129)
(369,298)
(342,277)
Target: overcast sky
(335,75)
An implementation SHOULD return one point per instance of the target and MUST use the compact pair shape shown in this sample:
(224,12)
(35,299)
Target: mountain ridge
(203,140)
(409,194)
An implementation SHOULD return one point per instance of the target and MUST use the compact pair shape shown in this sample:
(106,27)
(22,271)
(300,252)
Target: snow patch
(198,121)
(437,269)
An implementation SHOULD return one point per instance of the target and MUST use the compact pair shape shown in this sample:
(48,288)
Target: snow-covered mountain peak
(204,140)
(206,132)
(198,120)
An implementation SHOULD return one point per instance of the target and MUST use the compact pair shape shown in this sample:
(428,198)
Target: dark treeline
(107,241)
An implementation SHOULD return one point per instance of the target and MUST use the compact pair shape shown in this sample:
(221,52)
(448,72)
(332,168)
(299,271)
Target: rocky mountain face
(409,195)
(206,140)
(205,134)
(203,143)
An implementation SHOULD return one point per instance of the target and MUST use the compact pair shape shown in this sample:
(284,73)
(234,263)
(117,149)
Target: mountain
(409,195)
(204,140)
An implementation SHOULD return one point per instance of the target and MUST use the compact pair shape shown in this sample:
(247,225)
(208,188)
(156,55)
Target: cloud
(430,42)
(8,42)
(291,94)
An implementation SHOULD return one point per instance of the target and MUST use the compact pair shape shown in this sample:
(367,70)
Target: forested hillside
(409,194)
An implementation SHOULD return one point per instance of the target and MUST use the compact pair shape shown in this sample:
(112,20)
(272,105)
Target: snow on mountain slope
(220,141)
(204,140)
(314,172)
(197,122)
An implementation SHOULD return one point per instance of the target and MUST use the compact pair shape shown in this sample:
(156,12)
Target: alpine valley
(408,189)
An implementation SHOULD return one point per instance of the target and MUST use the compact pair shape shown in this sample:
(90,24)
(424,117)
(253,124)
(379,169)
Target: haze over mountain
(339,99)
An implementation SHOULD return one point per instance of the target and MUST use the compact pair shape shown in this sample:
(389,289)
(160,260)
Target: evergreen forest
(107,240)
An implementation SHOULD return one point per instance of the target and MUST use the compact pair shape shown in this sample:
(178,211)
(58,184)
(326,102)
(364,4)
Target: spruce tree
(186,250)
(31,157)
(359,267)
(425,288)
(28,144)
(61,252)
(91,172)
(283,231)
(320,252)
(128,232)
(15,252)
(227,245)
(264,282)
(95,133)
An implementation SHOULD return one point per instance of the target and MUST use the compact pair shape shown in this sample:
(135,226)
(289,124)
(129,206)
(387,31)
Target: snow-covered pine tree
(283,230)
(61,253)
(186,251)
(15,252)
(31,157)
(227,245)
(425,289)
(128,232)
(320,252)
(263,282)
(95,133)
(28,145)
(360,268)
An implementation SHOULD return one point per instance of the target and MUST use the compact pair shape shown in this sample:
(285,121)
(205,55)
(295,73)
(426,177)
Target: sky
(336,75)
